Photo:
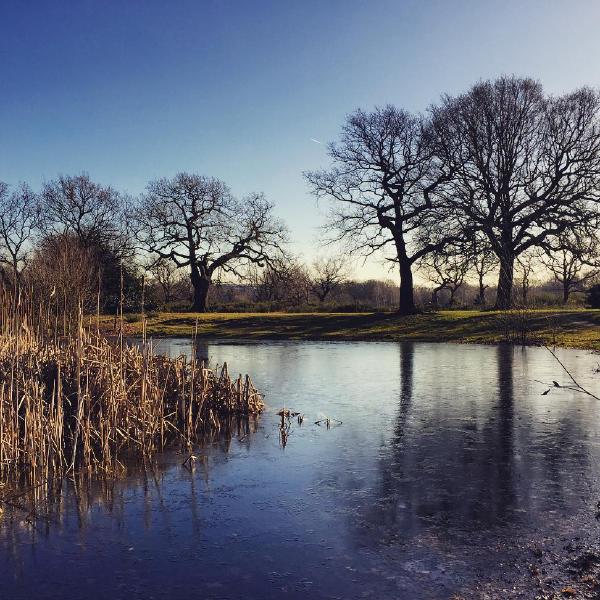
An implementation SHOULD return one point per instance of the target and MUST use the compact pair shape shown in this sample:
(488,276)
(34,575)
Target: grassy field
(572,328)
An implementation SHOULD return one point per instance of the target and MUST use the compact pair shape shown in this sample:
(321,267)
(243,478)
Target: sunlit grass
(567,327)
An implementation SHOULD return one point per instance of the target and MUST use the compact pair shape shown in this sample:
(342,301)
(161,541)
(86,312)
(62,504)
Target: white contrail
(316,141)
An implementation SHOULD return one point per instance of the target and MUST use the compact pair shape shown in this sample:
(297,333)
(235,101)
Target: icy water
(447,464)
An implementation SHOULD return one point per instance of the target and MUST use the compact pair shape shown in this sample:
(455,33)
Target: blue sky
(134,90)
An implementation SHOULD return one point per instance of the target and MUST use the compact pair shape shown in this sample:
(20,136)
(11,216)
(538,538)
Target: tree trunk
(481,297)
(452,295)
(566,292)
(407,297)
(505,282)
(407,292)
(201,284)
(525,294)
(482,287)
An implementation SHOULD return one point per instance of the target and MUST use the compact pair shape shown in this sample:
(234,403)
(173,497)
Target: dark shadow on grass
(441,326)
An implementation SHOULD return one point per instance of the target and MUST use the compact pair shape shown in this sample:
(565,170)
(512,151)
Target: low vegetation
(86,401)
(578,328)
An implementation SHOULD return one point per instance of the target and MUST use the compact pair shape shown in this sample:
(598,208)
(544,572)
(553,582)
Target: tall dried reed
(82,401)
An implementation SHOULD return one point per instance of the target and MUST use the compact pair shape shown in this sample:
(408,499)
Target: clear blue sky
(134,90)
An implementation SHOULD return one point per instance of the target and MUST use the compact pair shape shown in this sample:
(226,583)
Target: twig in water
(285,425)
(576,386)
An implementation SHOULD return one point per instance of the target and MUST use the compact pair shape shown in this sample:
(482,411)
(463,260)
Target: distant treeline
(303,292)
(487,196)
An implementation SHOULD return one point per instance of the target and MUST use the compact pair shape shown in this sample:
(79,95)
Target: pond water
(447,463)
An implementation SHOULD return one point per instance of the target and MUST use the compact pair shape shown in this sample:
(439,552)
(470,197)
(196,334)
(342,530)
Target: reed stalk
(81,401)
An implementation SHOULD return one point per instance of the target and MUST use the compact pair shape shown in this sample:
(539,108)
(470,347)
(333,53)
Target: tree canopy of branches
(282,284)
(328,274)
(167,275)
(573,258)
(196,223)
(382,185)
(18,219)
(90,218)
(526,167)
(447,270)
(79,206)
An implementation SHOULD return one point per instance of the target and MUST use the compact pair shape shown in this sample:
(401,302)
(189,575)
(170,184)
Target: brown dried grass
(83,402)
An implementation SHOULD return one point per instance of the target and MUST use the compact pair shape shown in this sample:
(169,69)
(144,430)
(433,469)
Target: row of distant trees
(502,179)
(83,241)
(327,284)
(70,242)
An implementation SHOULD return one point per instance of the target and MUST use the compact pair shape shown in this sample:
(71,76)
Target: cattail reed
(74,400)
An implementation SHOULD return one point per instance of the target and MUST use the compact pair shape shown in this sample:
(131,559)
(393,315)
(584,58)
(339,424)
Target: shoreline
(570,328)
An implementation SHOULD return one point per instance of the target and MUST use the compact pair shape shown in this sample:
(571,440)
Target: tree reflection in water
(450,474)
(448,456)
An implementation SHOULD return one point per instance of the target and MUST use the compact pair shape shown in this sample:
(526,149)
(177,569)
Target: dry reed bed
(84,402)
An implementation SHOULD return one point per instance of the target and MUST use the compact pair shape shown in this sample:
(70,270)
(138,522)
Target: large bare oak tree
(526,166)
(196,223)
(382,186)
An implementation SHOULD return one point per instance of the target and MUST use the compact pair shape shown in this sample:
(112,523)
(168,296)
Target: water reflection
(39,507)
(445,454)
(469,467)
(201,350)
(407,365)
(500,441)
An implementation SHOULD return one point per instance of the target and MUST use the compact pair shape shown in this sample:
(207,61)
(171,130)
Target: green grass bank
(576,328)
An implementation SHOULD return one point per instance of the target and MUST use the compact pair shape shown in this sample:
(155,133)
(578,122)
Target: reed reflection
(30,510)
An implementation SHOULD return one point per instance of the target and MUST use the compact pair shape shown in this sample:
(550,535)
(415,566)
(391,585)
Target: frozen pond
(448,462)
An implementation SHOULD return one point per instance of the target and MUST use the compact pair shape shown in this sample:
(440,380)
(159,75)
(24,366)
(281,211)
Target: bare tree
(526,265)
(447,271)
(284,282)
(573,258)
(166,274)
(62,271)
(484,261)
(196,223)
(526,167)
(18,218)
(297,283)
(382,185)
(269,284)
(328,274)
(77,205)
